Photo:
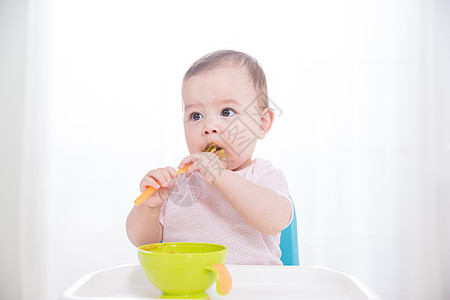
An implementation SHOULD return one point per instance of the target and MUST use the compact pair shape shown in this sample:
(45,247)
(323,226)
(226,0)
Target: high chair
(289,243)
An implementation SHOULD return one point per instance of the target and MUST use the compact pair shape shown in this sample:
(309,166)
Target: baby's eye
(196,116)
(227,112)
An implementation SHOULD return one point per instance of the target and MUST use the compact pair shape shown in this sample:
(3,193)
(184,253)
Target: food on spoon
(216,149)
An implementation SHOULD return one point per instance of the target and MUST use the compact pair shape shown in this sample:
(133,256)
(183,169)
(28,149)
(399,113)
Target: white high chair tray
(249,282)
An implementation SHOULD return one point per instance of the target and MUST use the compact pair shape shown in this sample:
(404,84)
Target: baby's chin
(240,164)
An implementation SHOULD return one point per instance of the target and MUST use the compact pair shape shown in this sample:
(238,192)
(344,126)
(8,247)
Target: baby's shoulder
(262,168)
(261,164)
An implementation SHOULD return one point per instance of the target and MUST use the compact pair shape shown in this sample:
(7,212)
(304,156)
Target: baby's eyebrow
(192,105)
(230,100)
(221,102)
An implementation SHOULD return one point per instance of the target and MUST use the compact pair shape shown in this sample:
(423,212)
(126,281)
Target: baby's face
(219,107)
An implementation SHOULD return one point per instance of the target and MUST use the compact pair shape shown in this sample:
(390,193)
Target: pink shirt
(197,212)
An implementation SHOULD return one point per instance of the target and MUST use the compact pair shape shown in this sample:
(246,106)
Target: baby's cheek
(244,149)
(192,148)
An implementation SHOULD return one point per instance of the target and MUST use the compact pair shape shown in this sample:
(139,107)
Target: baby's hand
(166,177)
(206,163)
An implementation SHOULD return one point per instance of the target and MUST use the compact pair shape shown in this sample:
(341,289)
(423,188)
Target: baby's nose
(210,128)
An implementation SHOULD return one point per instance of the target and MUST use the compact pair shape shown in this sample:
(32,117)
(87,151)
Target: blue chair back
(289,243)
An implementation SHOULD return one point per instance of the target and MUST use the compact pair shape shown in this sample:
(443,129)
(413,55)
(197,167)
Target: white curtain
(360,131)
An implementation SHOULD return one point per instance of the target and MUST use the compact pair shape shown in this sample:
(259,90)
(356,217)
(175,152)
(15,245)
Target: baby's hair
(240,59)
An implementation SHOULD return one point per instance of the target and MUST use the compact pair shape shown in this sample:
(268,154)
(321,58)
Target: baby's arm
(260,206)
(142,224)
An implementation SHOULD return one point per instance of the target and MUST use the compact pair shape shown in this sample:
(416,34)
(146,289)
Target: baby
(229,199)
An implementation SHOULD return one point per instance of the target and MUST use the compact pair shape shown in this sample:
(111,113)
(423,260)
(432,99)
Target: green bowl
(185,268)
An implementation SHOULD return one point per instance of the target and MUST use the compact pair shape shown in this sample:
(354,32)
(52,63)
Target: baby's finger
(148,181)
(163,176)
(172,172)
(196,166)
(188,160)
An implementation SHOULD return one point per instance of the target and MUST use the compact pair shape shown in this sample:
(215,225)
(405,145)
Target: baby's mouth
(214,148)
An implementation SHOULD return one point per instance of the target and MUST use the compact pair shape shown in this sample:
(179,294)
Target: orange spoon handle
(181,171)
(150,190)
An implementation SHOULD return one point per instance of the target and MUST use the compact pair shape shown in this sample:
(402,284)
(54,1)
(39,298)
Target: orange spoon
(150,190)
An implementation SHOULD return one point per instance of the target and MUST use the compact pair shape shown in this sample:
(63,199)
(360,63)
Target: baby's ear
(266,122)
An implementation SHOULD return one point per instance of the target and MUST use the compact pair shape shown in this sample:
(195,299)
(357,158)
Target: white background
(90,101)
